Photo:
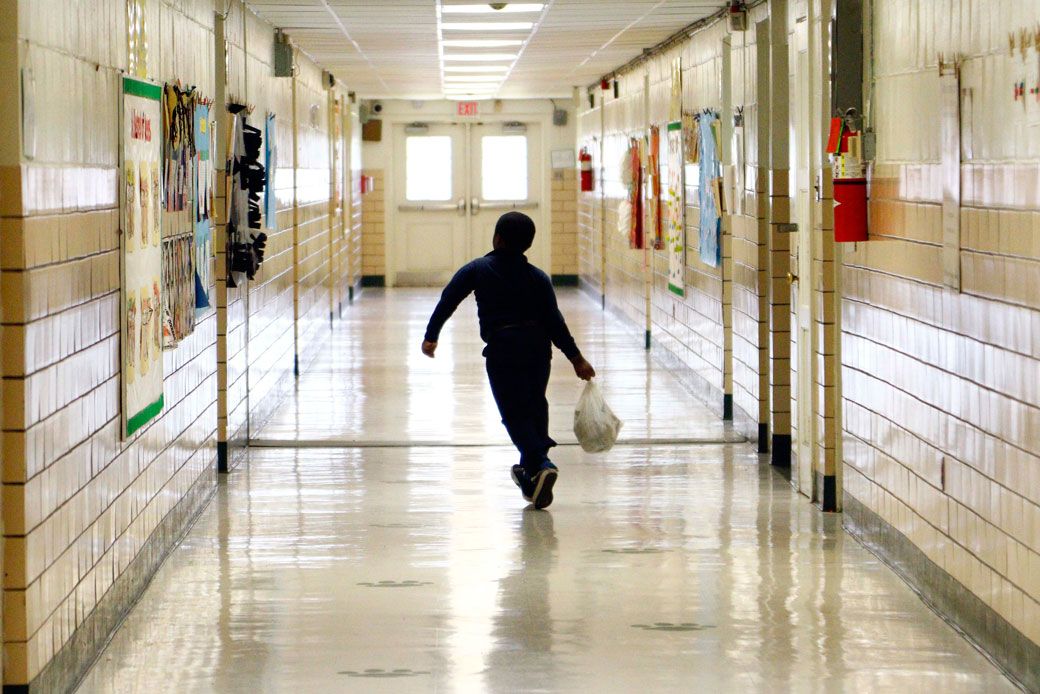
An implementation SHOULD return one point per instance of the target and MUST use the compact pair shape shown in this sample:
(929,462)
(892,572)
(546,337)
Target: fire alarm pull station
(850,183)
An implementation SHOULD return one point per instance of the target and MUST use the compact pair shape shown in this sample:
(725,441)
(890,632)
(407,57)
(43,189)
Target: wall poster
(203,208)
(675,211)
(710,203)
(141,253)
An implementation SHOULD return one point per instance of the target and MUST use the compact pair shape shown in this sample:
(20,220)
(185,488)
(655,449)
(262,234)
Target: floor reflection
(412,568)
(523,627)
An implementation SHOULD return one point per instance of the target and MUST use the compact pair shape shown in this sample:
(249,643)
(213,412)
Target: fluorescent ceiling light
(486,26)
(480,43)
(480,57)
(486,9)
(473,78)
(476,68)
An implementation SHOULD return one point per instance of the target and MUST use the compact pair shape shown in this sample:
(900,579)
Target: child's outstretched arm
(458,289)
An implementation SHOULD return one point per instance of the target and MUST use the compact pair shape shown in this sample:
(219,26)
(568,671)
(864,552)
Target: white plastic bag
(594,424)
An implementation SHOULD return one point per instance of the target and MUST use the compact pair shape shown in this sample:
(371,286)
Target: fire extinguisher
(850,183)
(585,159)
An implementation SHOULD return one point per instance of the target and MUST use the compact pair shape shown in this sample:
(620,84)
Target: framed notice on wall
(140,193)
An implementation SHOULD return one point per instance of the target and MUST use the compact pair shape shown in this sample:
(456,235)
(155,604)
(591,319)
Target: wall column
(726,157)
(779,239)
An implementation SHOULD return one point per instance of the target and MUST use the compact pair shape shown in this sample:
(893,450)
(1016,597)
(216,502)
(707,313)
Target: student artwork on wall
(203,198)
(179,130)
(675,211)
(141,254)
(709,189)
(178,290)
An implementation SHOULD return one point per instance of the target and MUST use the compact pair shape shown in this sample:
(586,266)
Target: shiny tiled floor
(660,568)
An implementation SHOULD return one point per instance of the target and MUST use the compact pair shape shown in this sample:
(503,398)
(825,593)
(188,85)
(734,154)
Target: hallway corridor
(678,561)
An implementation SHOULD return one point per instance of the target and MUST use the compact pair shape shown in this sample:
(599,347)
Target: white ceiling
(391,48)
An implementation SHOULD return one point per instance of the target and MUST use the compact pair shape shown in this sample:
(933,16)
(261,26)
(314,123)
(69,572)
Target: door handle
(461,207)
(510,205)
(474,206)
(431,207)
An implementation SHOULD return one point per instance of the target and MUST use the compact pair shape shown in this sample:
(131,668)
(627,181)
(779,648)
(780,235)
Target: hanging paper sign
(203,208)
(635,193)
(675,211)
(654,187)
(709,191)
(141,254)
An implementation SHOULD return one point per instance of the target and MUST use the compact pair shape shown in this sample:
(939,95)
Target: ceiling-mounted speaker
(559,116)
(284,64)
(328,80)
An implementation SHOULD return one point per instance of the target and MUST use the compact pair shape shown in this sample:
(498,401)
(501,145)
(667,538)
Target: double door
(451,183)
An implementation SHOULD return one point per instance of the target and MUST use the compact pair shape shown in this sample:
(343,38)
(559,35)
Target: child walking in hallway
(519,322)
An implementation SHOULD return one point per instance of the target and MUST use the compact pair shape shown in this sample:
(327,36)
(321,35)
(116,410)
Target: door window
(428,167)
(503,167)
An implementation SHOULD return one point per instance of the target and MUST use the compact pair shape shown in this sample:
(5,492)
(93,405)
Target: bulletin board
(141,253)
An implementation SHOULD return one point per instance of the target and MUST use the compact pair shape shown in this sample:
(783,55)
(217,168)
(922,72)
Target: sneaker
(521,480)
(543,482)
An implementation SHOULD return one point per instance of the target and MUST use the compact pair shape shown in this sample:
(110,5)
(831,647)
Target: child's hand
(583,368)
(428,348)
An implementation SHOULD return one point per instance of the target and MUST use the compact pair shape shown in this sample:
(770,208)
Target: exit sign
(468,108)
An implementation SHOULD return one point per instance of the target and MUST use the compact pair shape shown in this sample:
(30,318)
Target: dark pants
(518,362)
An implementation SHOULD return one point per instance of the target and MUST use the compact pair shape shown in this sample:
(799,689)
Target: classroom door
(802,272)
(430,189)
(506,174)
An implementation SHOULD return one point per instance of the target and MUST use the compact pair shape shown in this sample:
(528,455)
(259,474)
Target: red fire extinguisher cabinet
(850,209)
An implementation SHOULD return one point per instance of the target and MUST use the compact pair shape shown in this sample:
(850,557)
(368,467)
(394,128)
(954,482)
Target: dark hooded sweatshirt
(511,294)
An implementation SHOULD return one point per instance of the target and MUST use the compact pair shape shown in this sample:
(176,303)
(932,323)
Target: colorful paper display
(141,254)
(203,208)
(675,211)
(178,289)
(709,190)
